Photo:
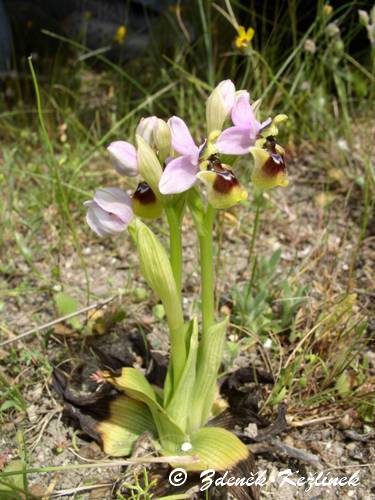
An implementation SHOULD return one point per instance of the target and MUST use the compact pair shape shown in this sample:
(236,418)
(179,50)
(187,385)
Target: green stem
(252,243)
(254,233)
(175,246)
(207,270)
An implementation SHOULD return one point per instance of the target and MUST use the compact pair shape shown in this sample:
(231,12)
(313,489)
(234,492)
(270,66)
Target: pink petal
(182,141)
(124,158)
(243,115)
(227,92)
(102,222)
(234,141)
(146,128)
(242,112)
(116,202)
(179,175)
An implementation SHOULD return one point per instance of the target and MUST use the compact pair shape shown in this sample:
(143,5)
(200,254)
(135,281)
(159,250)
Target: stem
(207,270)
(251,249)
(175,246)
(254,233)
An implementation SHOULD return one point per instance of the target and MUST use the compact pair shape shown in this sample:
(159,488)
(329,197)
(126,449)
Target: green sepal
(210,355)
(149,165)
(135,385)
(128,419)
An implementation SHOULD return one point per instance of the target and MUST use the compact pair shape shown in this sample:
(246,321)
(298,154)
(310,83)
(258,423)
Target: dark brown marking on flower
(225,181)
(274,165)
(215,164)
(271,144)
(144,194)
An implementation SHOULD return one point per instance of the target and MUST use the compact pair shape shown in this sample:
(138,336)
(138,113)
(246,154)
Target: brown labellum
(274,165)
(225,179)
(144,194)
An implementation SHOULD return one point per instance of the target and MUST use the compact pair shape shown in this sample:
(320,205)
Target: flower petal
(178,176)
(115,201)
(182,141)
(242,112)
(102,222)
(146,128)
(234,141)
(124,158)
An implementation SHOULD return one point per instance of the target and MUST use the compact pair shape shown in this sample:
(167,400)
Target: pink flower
(124,158)
(180,173)
(109,212)
(124,155)
(238,139)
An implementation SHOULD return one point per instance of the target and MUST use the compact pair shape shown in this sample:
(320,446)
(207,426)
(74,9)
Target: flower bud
(145,129)
(219,105)
(332,30)
(163,139)
(364,18)
(327,9)
(124,158)
(157,271)
(144,202)
(269,167)
(223,187)
(149,165)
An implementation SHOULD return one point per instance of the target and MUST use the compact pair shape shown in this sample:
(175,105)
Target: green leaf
(135,385)
(66,304)
(343,385)
(217,449)
(128,419)
(178,407)
(9,485)
(210,355)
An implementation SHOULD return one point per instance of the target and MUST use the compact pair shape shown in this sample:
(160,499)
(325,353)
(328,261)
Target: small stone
(186,446)
(251,431)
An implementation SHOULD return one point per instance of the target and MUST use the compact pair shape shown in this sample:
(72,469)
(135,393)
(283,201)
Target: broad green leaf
(217,449)
(128,419)
(178,408)
(67,304)
(210,355)
(135,385)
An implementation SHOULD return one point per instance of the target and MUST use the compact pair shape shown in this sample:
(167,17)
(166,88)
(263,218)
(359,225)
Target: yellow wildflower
(243,37)
(120,35)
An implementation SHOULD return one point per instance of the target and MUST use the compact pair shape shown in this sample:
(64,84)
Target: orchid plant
(178,175)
